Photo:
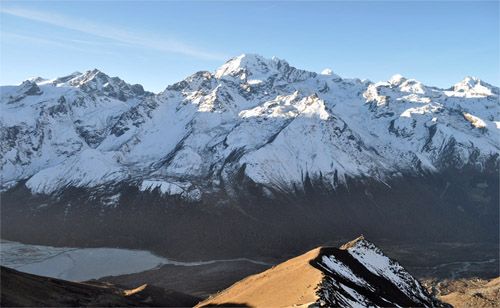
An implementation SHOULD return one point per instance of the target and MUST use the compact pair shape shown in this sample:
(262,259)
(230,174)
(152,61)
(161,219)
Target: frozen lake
(76,264)
(79,264)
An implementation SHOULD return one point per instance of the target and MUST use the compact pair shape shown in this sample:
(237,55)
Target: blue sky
(156,43)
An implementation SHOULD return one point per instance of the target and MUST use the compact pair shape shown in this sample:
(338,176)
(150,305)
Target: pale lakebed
(79,264)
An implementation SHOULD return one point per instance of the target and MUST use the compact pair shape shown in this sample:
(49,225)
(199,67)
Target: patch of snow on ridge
(313,106)
(335,266)
(355,299)
(169,188)
(372,95)
(376,262)
(254,82)
(289,106)
(186,162)
(184,189)
(475,121)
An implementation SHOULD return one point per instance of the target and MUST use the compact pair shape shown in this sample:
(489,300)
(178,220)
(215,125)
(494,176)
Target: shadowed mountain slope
(27,290)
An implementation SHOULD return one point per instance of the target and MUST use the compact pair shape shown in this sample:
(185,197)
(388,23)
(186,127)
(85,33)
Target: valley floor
(463,292)
(448,270)
(127,267)
(429,261)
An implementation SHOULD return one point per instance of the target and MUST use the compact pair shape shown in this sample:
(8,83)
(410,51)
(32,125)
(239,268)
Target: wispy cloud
(51,42)
(113,33)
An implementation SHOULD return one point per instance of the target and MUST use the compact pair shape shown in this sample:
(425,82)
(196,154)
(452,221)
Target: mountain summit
(357,274)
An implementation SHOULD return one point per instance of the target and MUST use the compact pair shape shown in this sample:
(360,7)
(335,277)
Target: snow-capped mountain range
(257,117)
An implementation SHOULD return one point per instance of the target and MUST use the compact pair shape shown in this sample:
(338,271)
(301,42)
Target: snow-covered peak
(61,81)
(29,88)
(397,80)
(413,86)
(37,79)
(251,70)
(198,81)
(327,72)
(359,241)
(244,64)
(96,82)
(94,75)
(346,285)
(407,85)
(17,93)
(473,86)
(467,83)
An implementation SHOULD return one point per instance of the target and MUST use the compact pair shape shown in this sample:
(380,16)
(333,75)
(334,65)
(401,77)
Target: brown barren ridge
(291,283)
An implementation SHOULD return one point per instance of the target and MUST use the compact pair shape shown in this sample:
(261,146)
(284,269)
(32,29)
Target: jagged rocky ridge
(358,274)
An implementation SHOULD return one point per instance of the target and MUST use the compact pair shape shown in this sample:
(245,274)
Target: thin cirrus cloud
(53,42)
(113,33)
